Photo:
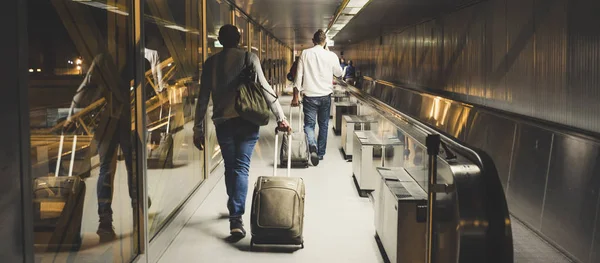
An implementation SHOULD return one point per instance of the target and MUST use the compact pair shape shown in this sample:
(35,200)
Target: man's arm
(83,87)
(335,63)
(298,80)
(154,59)
(202,104)
(299,72)
(268,91)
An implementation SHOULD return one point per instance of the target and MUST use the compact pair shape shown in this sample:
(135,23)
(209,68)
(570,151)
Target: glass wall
(218,13)
(102,118)
(173,34)
(263,51)
(256,40)
(83,148)
(242,25)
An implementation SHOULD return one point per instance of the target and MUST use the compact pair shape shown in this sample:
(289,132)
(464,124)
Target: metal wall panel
(549,91)
(495,136)
(539,58)
(583,57)
(520,56)
(571,201)
(496,48)
(527,181)
(474,54)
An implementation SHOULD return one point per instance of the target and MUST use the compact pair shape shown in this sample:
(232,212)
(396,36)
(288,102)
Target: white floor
(338,223)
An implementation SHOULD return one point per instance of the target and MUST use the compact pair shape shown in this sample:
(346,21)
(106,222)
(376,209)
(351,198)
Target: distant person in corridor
(350,73)
(236,136)
(314,78)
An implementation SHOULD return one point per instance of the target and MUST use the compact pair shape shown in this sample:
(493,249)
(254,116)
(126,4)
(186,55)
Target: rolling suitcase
(277,216)
(58,207)
(300,152)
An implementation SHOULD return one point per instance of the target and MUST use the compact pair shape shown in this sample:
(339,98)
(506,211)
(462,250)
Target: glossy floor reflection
(338,223)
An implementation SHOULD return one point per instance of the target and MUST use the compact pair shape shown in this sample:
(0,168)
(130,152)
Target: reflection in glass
(255,39)
(242,25)
(82,151)
(175,166)
(218,14)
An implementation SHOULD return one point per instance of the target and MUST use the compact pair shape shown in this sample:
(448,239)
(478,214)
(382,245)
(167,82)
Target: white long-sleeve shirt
(153,58)
(316,68)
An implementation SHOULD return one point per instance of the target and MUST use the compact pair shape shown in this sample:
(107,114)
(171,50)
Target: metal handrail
(497,240)
(546,125)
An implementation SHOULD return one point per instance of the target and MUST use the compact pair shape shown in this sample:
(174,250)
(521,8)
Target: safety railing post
(433,148)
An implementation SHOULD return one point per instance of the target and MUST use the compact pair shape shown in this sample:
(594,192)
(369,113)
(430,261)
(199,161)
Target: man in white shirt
(314,78)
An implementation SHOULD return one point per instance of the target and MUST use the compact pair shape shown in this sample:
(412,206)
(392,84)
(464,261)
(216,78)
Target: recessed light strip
(346,11)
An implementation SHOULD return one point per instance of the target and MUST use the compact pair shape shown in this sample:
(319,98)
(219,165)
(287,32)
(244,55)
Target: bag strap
(246,60)
(246,65)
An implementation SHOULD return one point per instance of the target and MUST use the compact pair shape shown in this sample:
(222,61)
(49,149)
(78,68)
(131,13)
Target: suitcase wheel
(302,245)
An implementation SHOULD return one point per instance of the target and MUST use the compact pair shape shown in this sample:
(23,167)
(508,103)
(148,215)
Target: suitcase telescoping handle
(60,149)
(289,155)
(299,116)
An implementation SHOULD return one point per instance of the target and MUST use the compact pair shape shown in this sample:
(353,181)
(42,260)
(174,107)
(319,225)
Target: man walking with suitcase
(236,135)
(314,78)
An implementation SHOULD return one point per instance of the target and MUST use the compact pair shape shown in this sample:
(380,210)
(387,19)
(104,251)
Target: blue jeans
(107,150)
(237,138)
(316,110)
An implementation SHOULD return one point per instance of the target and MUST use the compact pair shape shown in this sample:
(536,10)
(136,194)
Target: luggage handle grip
(300,115)
(289,155)
(59,157)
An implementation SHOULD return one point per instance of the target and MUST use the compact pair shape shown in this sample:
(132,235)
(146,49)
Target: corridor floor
(338,223)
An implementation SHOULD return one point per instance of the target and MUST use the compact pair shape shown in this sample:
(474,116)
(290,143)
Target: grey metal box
(403,230)
(369,153)
(351,123)
(341,109)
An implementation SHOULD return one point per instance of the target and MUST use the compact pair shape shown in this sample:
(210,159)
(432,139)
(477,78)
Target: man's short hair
(229,36)
(319,38)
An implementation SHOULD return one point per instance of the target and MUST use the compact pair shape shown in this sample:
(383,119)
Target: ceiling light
(357,3)
(104,6)
(176,27)
(344,16)
(351,10)
(338,26)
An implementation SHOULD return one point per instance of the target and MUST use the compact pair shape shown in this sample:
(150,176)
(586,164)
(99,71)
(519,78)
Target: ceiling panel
(295,21)
(292,21)
(383,16)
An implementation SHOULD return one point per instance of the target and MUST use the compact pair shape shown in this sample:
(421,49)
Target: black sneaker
(106,232)
(236,227)
(314,158)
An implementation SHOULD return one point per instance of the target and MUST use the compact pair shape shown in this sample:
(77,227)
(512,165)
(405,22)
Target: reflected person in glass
(114,129)
(236,136)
